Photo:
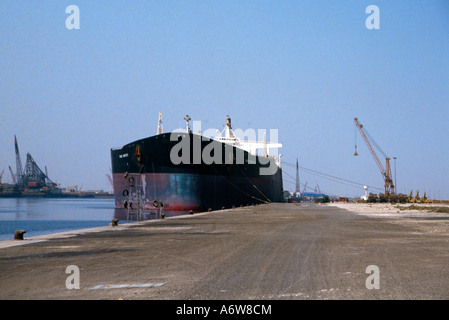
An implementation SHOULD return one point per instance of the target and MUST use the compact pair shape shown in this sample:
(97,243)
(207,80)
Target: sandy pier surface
(384,209)
(267,252)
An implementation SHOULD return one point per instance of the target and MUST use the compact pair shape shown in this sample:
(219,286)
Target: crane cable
(295,182)
(255,187)
(230,182)
(328,176)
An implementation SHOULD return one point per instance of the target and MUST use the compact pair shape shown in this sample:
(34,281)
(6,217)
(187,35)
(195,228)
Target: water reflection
(56,209)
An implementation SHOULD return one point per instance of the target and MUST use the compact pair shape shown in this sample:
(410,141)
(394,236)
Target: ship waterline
(197,192)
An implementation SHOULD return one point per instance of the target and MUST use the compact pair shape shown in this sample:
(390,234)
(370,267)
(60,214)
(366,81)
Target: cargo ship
(182,171)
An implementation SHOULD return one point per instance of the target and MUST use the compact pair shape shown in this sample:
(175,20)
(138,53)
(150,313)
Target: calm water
(44,216)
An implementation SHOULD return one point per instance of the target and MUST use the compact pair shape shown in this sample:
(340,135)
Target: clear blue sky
(306,68)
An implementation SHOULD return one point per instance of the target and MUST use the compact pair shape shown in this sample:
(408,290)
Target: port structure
(28,179)
(31,176)
(13,176)
(385,171)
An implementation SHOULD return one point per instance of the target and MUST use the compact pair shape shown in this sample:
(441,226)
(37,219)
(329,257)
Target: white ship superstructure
(228,136)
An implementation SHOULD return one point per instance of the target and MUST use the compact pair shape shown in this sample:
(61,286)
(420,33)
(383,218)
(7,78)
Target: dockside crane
(304,189)
(19,169)
(386,172)
(33,176)
(13,176)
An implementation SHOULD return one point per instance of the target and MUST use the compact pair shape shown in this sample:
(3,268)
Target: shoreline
(77,232)
(396,209)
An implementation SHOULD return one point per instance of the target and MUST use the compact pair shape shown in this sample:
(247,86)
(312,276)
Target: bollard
(209,209)
(190,211)
(222,208)
(18,235)
(162,215)
(114,222)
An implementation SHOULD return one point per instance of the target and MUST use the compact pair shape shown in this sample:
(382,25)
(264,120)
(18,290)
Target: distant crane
(304,189)
(13,176)
(110,180)
(317,189)
(19,170)
(1,176)
(33,176)
(386,172)
(30,176)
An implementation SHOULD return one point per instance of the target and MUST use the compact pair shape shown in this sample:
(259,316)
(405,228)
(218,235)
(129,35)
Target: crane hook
(355,152)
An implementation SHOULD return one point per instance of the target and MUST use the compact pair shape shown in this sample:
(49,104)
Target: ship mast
(265,146)
(187,119)
(159,124)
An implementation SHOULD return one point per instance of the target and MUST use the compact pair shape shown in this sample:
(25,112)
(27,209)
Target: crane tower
(386,172)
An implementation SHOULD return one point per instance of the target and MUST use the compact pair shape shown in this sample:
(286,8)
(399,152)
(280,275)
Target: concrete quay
(265,252)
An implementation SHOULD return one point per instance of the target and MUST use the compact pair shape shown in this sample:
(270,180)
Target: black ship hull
(190,172)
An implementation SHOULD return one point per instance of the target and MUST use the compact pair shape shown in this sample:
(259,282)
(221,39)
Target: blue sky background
(306,68)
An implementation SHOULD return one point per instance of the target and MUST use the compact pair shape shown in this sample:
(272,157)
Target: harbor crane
(19,169)
(386,172)
(13,176)
(30,176)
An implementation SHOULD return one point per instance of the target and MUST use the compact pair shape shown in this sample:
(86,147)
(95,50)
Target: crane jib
(386,172)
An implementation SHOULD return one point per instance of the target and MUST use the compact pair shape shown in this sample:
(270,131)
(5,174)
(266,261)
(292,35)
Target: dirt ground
(266,252)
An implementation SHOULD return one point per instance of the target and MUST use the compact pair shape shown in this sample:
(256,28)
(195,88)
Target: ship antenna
(159,125)
(187,119)
(266,153)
